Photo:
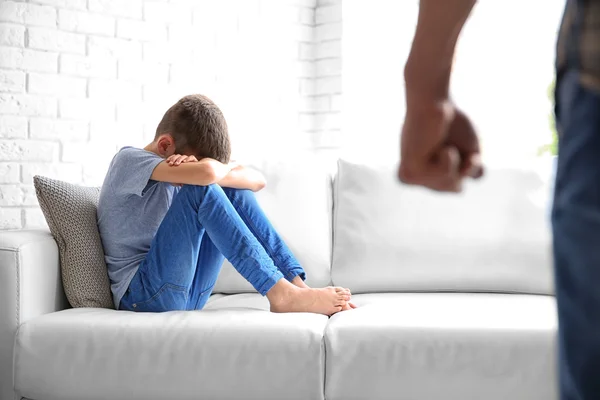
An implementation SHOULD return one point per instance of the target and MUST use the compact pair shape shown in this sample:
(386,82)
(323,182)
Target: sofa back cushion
(70,212)
(494,237)
(298,202)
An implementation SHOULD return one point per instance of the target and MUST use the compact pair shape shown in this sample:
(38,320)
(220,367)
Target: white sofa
(454,300)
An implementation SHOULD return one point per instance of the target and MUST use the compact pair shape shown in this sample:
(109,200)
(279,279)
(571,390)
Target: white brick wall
(62,86)
(80,78)
(85,22)
(87,67)
(12,81)
(53,40)
(13,127)
(9,173)
(28,60)
(327,85)
(12,35)
(27,104)
(28,14)
(129,8)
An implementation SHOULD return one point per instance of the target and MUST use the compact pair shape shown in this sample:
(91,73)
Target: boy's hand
(177,159)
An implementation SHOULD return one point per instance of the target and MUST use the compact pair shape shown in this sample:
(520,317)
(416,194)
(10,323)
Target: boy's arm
(208,171)
(241,177)
(202,173)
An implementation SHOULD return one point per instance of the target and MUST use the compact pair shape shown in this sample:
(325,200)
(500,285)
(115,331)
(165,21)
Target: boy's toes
(342,290)
(343,296)
(340,302)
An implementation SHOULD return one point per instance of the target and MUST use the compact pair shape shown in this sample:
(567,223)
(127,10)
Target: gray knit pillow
(70,212)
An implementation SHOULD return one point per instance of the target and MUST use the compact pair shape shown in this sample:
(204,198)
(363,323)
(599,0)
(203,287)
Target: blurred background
(81,78)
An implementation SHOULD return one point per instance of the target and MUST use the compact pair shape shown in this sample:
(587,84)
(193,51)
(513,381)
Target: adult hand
(439,146)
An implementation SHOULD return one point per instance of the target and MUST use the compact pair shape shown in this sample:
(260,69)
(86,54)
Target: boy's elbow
(209,176)
(260,185)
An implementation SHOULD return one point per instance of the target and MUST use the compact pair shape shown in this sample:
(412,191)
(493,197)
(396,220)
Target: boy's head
(197,127)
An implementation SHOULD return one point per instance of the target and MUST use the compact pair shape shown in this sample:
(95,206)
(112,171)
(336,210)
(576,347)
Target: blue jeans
(576,228)
(204,225)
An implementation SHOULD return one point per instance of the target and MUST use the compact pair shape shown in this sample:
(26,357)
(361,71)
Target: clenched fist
(439,146)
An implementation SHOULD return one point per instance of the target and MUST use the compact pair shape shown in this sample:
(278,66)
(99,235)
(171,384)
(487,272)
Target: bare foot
(297,281)
(327,301)
(348,306)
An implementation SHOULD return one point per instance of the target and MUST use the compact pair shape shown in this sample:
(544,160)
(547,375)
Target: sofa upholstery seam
(334,215)
(324,344)
(18,249)
(9,249)
(17,254)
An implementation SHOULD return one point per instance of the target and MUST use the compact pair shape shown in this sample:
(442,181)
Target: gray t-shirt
(130,210)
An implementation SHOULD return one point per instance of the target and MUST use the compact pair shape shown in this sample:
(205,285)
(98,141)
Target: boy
(170,213)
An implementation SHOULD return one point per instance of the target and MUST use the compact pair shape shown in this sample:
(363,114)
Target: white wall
(327,119)
(80,78)
(375,46)
(503,66)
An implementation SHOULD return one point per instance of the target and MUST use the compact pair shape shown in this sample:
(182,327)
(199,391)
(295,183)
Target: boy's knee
(200,192)
(197,188)
(192,190)
(232,192)
(229,191)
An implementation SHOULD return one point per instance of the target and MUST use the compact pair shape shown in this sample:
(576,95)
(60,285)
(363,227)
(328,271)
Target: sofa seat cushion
(443,346)
(233,349)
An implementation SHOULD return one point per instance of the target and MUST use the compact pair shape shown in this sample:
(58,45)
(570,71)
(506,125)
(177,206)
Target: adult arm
(439,146)
(429,65)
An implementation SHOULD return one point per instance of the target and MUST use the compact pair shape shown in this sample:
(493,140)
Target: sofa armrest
(30,285)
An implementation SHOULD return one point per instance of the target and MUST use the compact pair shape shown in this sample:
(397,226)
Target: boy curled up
(170,213)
